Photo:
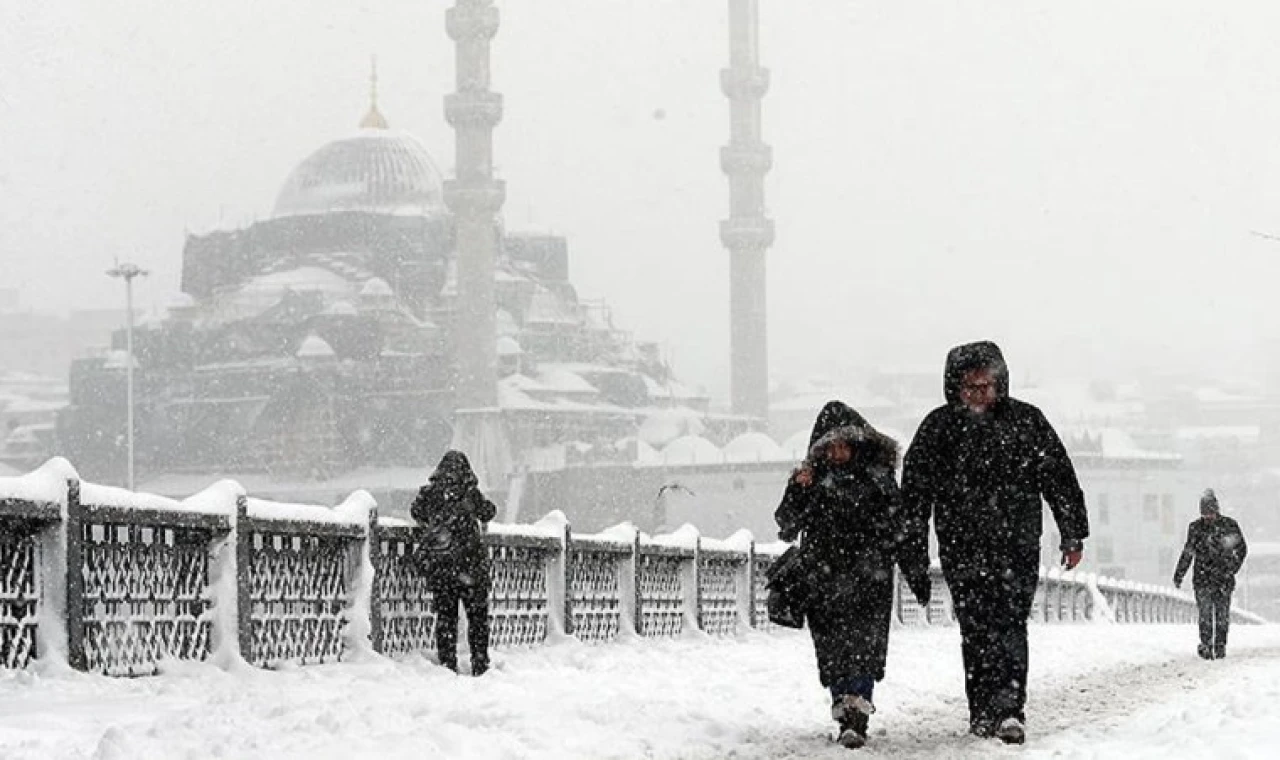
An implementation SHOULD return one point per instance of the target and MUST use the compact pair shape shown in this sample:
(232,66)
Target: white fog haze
(673,342)
(1078,180)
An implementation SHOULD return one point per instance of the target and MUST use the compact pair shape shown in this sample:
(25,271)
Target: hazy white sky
(1077,180)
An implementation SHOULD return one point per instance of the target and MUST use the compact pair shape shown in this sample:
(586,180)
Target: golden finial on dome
(374,119)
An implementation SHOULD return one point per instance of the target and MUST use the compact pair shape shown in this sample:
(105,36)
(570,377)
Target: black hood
(454,469)
(981,355)
(838,420)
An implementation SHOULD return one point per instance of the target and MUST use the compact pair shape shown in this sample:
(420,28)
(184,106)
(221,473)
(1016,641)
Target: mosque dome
(378,170)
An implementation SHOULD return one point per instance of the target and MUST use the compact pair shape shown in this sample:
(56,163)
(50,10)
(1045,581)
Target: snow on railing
(1064,596)
(116,582)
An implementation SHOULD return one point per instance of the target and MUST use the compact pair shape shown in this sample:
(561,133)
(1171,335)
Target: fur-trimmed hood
(839,421)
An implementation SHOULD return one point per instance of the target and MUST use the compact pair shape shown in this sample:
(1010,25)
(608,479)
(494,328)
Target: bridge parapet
(119,583)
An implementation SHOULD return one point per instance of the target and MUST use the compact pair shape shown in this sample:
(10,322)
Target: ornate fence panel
(908,612)
(661,590)
(401,591)
(760,598)
(718,574)
(145,592)
(518,606)
(298,590)
(20,521)
(595,573)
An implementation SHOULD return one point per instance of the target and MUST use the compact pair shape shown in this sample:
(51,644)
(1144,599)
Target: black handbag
(788,589)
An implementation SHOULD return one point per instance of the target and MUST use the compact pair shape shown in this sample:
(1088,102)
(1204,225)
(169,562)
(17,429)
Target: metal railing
(119,583)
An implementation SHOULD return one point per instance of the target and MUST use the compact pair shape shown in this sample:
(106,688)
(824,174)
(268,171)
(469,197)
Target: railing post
(697,585)
(629,589)
(559,582)
(244,584)
(566,579)
(374,539)
(75,577)
(747,589)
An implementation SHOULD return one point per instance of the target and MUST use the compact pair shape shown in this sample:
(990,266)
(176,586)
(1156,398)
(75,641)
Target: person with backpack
(844,506)
(1216,545)
(451,513)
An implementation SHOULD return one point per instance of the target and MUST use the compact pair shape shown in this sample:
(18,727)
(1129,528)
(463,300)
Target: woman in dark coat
(452,512)
(843,504)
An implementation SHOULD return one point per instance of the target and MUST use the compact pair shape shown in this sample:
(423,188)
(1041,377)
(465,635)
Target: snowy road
(1096,691)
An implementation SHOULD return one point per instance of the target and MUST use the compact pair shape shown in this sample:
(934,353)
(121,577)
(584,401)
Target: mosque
(382,313)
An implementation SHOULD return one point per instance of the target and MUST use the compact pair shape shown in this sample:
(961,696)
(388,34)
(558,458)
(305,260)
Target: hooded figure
(1216,544)
(979,466)
(843,503)
(451,512)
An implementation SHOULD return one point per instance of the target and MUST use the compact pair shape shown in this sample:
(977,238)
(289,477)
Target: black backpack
(449,537)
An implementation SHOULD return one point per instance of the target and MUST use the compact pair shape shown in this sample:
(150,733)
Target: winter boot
(982,727)
(1011,731)
(852,712)
(479,665)
(1205,652)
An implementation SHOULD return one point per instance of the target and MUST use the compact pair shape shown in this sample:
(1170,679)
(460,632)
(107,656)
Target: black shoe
(1205,652)
(479,666)
(983,728)
(1011,731)
(852,714)
(1219,653)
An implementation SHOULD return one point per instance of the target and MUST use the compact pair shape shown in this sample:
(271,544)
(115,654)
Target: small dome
(378,170)
(753,447)
(314,347)
(691,449)
(376,287)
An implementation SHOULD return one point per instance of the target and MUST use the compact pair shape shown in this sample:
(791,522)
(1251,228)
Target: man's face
(1209,516)
(839,452)
(978,390)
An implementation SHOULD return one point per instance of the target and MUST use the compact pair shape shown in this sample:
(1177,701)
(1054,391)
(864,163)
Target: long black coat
(849,523)
(982,478)
(454,510)
(1218,549)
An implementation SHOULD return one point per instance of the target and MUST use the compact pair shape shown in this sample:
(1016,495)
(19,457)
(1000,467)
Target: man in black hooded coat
(979,466)
(452,512)
(846,504)
(1216,545)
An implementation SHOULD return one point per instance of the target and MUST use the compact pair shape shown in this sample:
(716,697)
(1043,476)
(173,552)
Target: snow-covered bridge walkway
(1096,691)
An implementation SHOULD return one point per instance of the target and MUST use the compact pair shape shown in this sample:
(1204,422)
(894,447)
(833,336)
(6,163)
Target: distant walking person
(451,512)
(1216,545)
(979,466)
(844,505)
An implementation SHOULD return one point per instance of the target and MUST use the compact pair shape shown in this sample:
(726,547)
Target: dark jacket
(982,477)
(1218,548)
(849,521)
(452,511)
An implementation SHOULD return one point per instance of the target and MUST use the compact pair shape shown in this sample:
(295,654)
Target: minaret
(747,233)
(475,197)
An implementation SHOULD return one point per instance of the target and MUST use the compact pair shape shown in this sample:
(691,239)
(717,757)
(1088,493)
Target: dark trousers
(1214,601)
(475,599)
(992,610)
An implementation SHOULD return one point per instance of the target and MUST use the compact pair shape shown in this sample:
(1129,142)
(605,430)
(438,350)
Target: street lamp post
(127,272)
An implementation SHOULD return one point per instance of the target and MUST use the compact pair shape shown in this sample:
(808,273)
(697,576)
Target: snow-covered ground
(1096,691)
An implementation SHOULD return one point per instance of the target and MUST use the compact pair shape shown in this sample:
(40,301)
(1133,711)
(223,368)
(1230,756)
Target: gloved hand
(1177,583)
(921,587)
